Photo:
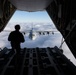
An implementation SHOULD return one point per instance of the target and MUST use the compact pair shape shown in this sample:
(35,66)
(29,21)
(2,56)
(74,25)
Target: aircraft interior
(62,13)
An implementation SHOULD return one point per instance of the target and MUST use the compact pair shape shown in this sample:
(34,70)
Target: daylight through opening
(44,32)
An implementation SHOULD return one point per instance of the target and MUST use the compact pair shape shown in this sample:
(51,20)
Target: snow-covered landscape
(41,41)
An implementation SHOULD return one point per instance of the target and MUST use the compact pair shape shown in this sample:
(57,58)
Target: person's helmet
(17,27)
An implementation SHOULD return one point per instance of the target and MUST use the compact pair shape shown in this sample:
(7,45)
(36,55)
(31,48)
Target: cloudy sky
(39,21)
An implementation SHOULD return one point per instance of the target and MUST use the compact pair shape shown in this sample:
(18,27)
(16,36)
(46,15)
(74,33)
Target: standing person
(16,38)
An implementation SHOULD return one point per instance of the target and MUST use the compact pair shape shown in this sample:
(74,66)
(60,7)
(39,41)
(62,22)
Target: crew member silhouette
(16,38)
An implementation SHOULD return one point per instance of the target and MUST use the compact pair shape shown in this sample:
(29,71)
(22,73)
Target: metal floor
(36,61)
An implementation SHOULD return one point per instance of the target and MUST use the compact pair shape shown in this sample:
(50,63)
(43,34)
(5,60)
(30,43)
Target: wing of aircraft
(44,32)
(33,33)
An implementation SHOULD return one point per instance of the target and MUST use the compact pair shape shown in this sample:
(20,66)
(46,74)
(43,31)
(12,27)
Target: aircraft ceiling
(31,5)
